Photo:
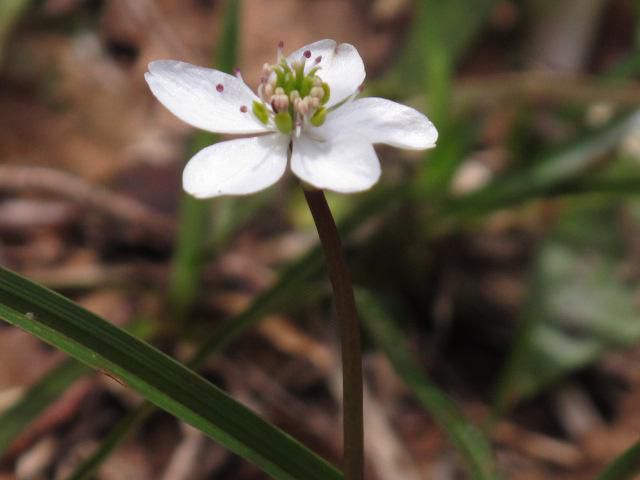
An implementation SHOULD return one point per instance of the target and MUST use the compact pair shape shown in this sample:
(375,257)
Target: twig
(95,197)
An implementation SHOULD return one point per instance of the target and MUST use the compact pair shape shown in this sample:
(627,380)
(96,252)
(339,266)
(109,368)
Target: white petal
(341,67)
(382,121)
(191,94)
(344,163)
(236,167)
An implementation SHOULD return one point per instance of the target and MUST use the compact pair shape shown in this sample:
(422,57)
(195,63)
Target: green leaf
(292,280)
(578,306)
(15,420)
(10,11)
(160,379)
(625,467)
(195,214)
(289,288)
(465,436)
(87,468)
(547,176)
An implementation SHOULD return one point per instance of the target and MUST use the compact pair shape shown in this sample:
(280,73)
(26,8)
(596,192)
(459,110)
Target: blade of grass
(288,290)
(195,215)
(15,420)
(123,428)
(558,335)
(10,11)
(625,467)
(47,390)
(463,434)
(157,377)
(547,175)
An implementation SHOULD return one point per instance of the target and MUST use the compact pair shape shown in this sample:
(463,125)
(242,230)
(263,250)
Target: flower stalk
(348,325)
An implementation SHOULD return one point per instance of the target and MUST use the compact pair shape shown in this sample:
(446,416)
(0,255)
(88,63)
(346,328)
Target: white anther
(280,102)
(303,106)
(267,92)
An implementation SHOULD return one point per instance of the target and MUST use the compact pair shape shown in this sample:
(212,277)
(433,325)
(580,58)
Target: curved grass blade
(547,176)
(121,431)
(625,467)
(195,214)
(15,420)
(159,378)
(45,391)
(291,281)
(10,12)
(465,436)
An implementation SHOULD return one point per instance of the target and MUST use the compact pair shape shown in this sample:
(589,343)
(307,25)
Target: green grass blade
(10,11)
(195,215)
(557,334)
(547,176)
(15,420)
(45,391)
(118,435)
(291,282)
(464,435)
(293,277)
(625,467)
(157,377)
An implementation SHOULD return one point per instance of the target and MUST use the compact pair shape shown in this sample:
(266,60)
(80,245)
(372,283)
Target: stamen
(318,59)
(307,54)
(267,91)
(244,109)
(220,88)
(238,74)
(280,51)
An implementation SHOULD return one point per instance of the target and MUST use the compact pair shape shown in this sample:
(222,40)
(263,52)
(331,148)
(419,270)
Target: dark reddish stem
(353,461)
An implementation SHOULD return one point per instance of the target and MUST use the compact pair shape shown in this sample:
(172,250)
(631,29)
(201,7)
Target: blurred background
(498,274)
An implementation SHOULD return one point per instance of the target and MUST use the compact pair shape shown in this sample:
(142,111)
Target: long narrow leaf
(160,379)
(547,175)
(15,420)
(121,431)
(625,467)
(195,214)
(10,11)
(291,285)
(464,435)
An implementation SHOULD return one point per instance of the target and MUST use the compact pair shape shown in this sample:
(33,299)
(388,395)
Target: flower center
(291,98)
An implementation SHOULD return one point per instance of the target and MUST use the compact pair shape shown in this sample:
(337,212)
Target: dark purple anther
(244,109)
(307,54)
(220,88)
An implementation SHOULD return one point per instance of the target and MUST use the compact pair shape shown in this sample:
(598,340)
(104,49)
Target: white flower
(305,109)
